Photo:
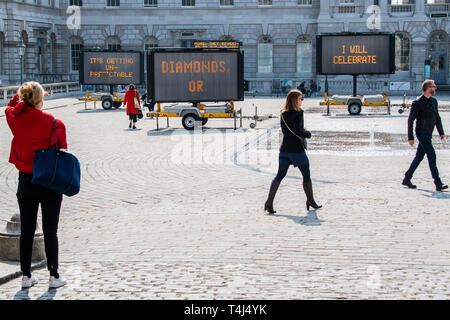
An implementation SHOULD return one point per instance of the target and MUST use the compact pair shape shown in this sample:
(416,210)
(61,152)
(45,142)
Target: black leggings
(29,197)
(283,169)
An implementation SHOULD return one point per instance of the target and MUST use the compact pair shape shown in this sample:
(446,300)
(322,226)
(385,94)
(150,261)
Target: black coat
(425,111)
(291,143)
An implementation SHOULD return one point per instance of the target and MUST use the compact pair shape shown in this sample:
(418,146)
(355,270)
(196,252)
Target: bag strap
(51,135)
(137,97)
(284,121)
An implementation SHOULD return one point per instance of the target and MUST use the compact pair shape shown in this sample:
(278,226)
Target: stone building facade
(278,36)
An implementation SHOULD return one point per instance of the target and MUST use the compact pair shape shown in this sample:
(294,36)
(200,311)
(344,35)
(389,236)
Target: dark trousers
(29,197)
(425,147)
(283,169)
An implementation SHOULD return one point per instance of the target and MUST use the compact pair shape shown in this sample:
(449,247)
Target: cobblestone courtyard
(145,226)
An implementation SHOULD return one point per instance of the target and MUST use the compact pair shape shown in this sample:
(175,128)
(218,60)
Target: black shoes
(134,127)
(268,206)
(439,186)
(407,182)
(129,125)
(307,187)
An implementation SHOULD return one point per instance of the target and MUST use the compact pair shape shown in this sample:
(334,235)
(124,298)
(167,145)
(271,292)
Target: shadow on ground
(182,131)
(310,219)
(23,294)
(435,194)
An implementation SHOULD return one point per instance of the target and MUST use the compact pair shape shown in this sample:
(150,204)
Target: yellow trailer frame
(199,111)
(355,99)
(94,99)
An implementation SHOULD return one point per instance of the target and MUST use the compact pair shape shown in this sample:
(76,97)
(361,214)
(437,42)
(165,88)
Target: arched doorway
(438,53)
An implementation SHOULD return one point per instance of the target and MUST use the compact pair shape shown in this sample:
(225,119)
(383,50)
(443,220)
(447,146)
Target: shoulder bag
(56,170)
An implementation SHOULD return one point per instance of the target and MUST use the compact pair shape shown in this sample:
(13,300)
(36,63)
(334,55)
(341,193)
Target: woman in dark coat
(292,150)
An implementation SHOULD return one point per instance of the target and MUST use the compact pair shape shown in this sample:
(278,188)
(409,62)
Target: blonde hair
(31,93)
(292,101)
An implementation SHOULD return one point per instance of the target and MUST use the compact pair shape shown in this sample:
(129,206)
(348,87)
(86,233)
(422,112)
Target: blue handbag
(56,170)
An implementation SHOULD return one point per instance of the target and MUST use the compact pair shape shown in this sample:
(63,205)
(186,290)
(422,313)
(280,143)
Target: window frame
(116,5)
(226,5)
(79,42)
(186,5)
(264,40)
(308,40)
(265,4)
(401,49)
(2,50)
(150,5)
(79,3)
(304,4)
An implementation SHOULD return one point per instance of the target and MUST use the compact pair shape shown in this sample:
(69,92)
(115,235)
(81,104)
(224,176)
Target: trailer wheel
(117,104)
(204,121)
(188,121)
(107,104)
(401,111)
(354,108)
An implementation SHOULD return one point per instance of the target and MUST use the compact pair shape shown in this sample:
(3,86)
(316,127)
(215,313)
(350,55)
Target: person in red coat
(132,107)
(31,129)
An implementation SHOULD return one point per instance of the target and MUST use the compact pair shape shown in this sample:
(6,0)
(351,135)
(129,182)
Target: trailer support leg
(354,85)
(328,107)
(167,122)
(240,119)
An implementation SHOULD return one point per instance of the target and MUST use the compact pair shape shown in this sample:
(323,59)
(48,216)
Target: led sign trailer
(195,75)
(354,54)
(111,67)
(217,44)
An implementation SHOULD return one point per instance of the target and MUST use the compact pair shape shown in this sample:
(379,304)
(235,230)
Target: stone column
(325,9)
(420,8)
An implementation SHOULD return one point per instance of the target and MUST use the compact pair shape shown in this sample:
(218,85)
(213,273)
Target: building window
(113,43)
(113,3)
(265,54)
(402,51)
(265,2)
(150,3)
(401,2)
(344,2)
(188,3)
(78,3)
(24,36)
(52,53)
(304,2)
(1,52)
(76,46)
(304,54)
(227,2)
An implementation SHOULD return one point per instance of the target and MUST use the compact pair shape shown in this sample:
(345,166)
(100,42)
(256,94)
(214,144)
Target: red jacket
(31,129)
(128,100)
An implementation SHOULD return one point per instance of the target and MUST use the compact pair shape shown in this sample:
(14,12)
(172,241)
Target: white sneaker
(29,282)
(56,283)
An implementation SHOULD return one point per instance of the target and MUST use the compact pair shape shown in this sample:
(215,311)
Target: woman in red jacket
(31,129)
(128,101)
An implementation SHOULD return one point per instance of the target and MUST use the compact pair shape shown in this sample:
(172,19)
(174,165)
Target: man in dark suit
(425,111)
